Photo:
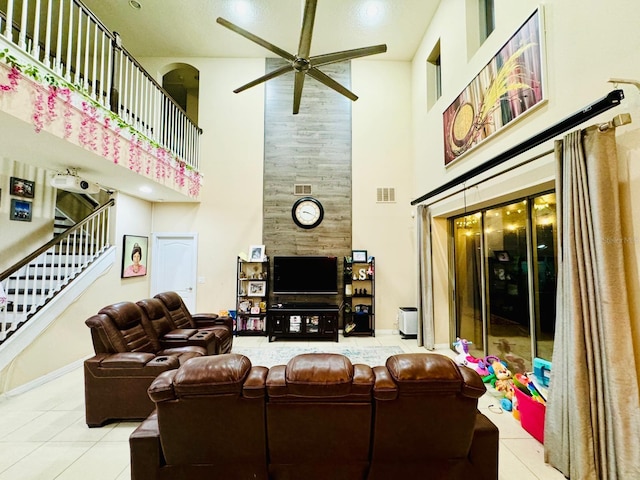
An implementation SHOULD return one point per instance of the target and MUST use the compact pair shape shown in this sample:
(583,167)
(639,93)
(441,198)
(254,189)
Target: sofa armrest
(130,363)
(179,334)
(483,453)
(146,450)
(203,320)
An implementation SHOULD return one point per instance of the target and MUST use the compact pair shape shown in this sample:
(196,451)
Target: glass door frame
(454,308)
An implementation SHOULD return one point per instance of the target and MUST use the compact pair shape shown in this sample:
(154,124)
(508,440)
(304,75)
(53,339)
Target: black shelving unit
(305,321)
(252,295)
(360,293)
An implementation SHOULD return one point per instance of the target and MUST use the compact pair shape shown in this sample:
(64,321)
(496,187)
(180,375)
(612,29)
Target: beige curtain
(592,428)
(426,329)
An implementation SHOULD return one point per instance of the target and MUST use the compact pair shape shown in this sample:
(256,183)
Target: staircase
(32,283)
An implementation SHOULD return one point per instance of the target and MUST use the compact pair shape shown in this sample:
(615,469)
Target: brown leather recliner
(127,359)
(182,318)
(426,422)
(158,317)
(209,423)
(319,418)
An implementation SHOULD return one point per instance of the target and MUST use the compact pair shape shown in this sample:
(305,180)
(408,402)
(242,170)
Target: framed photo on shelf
(359,256)
(20,210)
(20,187)
(256,253)
(134,256)
(256,288)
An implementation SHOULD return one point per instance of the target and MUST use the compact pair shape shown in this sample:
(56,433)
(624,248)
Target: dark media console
(304,321)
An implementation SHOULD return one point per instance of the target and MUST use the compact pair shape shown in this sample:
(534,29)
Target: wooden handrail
(54,241)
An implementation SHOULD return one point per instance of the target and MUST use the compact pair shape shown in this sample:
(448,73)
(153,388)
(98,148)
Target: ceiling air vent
(302,189)
(386,195)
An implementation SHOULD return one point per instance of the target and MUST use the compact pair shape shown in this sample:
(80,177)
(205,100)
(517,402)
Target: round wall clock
(307,212)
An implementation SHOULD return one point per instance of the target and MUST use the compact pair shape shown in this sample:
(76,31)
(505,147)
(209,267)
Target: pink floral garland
(165,166)
(13,76)
(116,147)
(38,110)
(51,103)
(105,137)
(68,127)
(88,127)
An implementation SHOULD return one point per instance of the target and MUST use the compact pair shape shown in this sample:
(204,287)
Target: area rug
(280,355)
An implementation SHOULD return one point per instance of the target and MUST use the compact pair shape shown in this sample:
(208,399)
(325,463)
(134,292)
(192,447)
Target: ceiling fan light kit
(302,63)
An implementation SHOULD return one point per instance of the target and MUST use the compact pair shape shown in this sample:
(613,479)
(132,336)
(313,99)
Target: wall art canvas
(22,188)
(20,210)
(134,256)
(506,88)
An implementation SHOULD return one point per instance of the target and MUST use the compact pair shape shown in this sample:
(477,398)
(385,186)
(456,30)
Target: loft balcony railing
(68,40)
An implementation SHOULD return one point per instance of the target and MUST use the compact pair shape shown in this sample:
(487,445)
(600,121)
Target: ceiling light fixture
(146,189)
(135,5)
(241,7)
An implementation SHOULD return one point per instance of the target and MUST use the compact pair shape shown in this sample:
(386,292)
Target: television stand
(303,321)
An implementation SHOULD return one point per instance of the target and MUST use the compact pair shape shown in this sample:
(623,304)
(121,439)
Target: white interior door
(174,265)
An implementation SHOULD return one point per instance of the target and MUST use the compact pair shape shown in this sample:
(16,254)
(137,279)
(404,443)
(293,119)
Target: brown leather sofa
(426,420)
(323,418)
(128,357)
(221,326)
(157,317)
(209,423)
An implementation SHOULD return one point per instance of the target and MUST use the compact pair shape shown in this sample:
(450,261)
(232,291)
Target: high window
(505,260)
(487,19)
(434,76)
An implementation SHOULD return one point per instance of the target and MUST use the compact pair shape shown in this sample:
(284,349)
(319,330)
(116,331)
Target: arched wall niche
(182,82)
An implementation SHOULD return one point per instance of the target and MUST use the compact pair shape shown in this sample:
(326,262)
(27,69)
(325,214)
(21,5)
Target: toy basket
(531,415)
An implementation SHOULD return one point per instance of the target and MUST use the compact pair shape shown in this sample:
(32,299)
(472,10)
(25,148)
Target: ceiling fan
(302,64)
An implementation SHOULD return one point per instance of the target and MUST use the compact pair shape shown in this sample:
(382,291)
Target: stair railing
(37,278)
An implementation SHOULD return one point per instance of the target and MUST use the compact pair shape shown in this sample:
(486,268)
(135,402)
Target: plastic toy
(462,347)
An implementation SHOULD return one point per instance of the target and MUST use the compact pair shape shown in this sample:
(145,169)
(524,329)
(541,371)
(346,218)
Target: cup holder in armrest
(169,361)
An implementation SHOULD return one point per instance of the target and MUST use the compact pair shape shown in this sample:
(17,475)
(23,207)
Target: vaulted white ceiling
(188,28)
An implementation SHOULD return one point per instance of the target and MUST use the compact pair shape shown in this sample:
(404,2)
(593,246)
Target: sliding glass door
(504,280)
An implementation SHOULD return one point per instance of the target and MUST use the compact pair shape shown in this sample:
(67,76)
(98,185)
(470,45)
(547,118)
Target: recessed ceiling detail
(302,63)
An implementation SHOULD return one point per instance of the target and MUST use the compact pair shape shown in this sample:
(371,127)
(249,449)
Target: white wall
(382,157)
(17,236)
(585,46)
(229,216)
(68,339)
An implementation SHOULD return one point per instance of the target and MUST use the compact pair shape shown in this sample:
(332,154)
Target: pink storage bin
(531,415)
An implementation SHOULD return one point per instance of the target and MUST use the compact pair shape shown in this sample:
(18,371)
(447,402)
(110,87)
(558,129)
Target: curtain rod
(613,99)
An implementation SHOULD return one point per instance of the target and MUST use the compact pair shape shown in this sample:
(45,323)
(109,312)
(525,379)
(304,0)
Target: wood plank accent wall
(312,147)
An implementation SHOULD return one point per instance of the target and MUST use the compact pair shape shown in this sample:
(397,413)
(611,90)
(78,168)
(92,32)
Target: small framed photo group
(21,209)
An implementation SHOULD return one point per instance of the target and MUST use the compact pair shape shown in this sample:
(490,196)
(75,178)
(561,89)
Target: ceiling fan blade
(307,28)
(273,74)
(263,43)
(297,91)
(331,83)
(328,58)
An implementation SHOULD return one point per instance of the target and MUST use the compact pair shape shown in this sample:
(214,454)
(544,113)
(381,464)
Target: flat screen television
(308,275)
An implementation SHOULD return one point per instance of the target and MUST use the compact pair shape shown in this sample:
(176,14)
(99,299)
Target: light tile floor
(43,435)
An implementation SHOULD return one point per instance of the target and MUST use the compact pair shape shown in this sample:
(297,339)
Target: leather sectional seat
(133,345)
(318,417)
(221,326)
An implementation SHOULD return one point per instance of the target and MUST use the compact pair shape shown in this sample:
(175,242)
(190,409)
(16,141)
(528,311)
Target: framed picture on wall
(508,87)
(20,210)
(134,256)
(20,187)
